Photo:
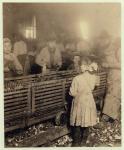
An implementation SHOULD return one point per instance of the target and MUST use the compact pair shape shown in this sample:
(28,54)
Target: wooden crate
(48,98)
(17,103)
(42,96)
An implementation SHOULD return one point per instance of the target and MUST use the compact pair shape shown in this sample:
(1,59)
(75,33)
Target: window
(28,28)
(30,31)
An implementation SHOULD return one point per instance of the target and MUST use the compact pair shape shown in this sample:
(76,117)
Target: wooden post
(63,87)
(29,98)
(33,98)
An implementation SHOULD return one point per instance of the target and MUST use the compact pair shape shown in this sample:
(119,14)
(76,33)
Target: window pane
(30,31)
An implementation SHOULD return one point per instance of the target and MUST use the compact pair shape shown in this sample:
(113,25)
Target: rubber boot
(76,134)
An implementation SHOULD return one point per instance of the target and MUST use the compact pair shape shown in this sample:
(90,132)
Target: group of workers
(56,56)
(51,56)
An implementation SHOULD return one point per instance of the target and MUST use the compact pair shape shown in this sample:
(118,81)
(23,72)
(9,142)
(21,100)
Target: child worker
(12,66)
(83,110)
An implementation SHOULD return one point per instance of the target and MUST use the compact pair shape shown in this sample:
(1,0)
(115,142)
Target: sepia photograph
(62,74)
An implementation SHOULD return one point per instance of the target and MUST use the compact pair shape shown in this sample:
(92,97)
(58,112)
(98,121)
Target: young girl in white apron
(83,109)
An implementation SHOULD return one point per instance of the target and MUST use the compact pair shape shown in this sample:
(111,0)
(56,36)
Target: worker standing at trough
(49,57)
(21,52)
(12,66)
(111,109)
(109,48)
